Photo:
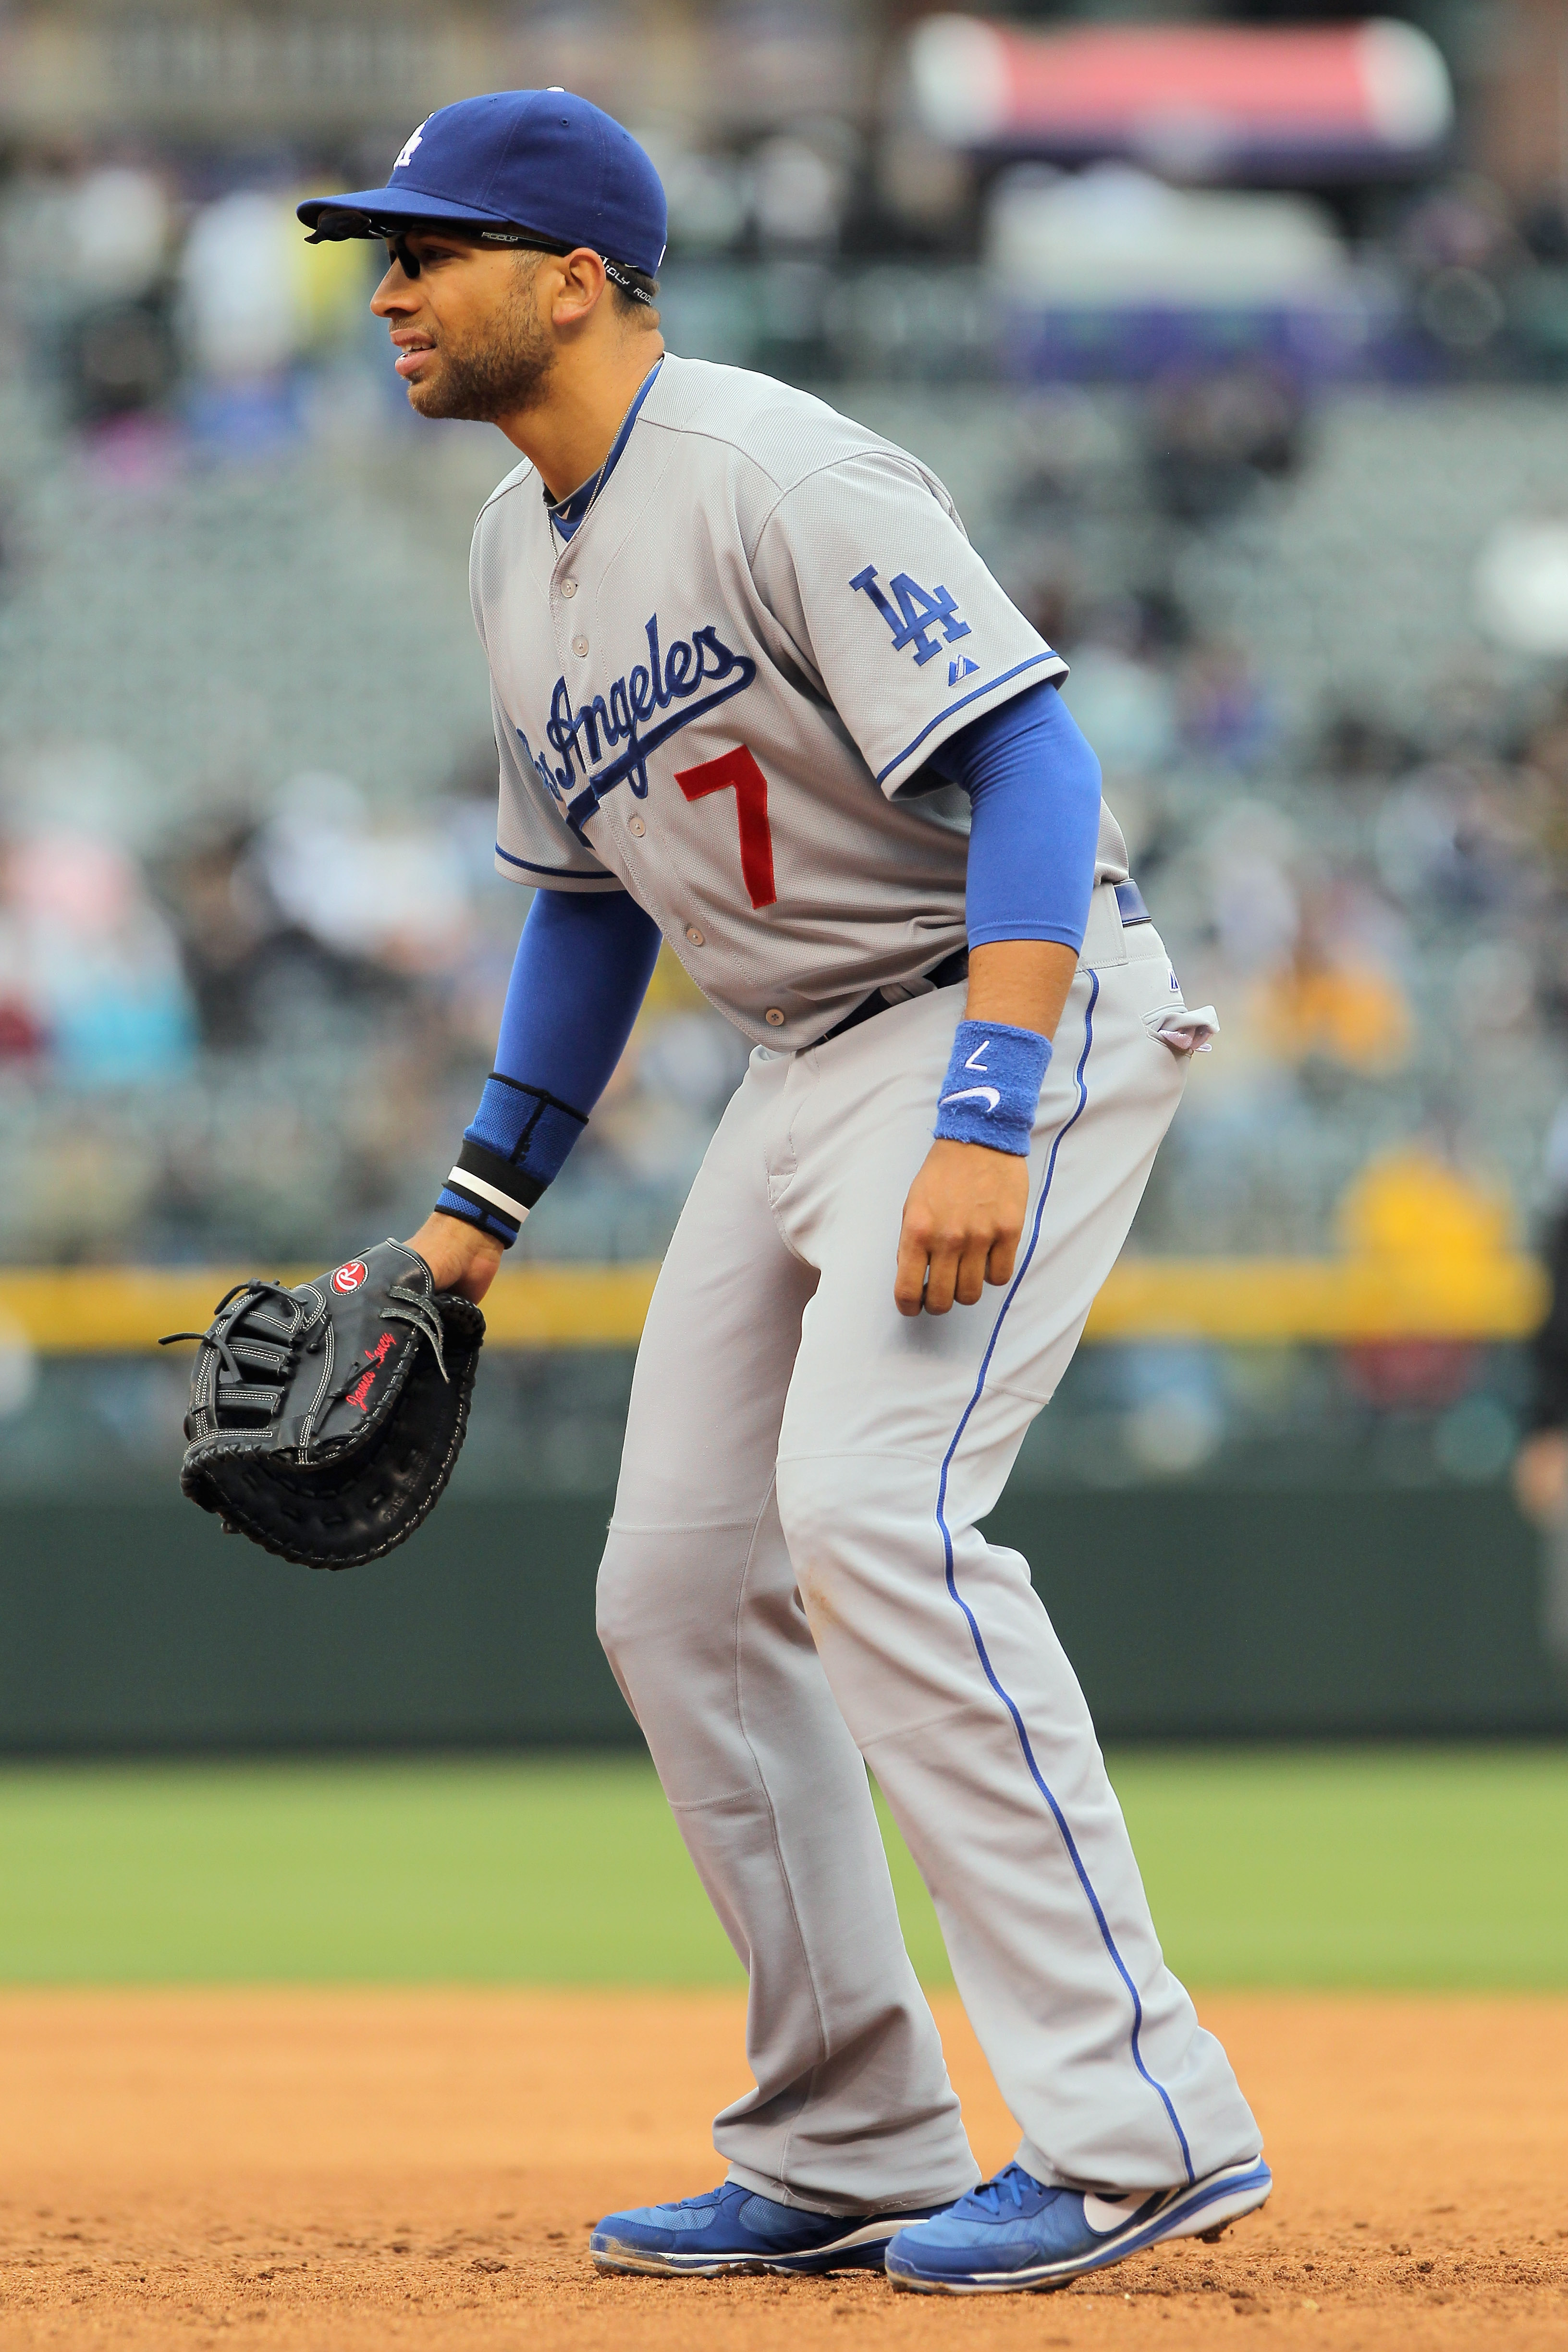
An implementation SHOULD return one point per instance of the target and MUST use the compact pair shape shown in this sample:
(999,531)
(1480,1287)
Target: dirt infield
(308,2171)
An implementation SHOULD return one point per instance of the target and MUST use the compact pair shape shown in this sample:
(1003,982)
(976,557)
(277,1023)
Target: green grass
(1398,1868)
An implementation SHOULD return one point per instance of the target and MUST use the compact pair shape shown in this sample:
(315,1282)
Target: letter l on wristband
(992,1090)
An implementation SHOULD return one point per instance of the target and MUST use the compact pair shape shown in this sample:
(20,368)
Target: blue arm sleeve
(1034,785)
(583,967)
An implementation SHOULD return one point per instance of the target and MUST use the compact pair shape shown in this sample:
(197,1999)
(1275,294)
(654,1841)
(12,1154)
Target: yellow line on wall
(109,1310)
(1267,1301)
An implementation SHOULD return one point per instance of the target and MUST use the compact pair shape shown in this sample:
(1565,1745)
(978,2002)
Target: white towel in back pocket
(1184,1031)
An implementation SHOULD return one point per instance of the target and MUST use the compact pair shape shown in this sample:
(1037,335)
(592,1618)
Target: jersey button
(695,936)
(569,587)
(578,644)
(774,1017)
(635,824)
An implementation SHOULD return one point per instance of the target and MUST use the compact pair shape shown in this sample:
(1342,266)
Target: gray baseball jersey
(722,693)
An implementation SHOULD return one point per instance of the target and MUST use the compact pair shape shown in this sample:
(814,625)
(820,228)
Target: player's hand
(458,1255)
(1540,1476)
(962,1223)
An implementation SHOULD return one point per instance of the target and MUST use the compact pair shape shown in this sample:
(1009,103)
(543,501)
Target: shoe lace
(1010,2187)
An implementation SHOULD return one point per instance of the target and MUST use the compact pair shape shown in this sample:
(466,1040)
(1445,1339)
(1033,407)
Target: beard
(505,374)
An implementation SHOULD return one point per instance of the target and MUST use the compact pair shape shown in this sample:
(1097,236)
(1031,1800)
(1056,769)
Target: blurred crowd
(1372,896)
(262,1034)
(252,955)
(1376,907)
(177,290)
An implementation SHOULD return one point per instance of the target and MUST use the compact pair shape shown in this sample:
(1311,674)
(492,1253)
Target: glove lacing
(302,1338)
(280,1357)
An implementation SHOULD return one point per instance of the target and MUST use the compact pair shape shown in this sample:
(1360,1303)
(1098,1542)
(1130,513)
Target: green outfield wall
(1189,1610)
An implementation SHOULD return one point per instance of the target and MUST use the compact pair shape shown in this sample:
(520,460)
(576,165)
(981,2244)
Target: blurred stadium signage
(1342,101)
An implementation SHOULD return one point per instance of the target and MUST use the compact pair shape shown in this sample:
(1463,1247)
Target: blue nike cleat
(733,2229)
(1015,2234)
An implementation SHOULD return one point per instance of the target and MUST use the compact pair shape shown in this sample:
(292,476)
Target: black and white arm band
(493,1182)
(496,1187)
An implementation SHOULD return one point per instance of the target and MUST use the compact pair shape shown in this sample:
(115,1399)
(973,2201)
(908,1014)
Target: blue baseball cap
(515,161)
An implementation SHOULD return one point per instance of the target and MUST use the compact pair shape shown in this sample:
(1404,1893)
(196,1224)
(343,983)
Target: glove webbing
(235,1348)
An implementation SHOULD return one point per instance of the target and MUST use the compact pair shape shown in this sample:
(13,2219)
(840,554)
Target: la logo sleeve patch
(915,614)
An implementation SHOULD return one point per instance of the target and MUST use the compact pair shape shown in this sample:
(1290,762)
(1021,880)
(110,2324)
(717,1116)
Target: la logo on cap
(408,154)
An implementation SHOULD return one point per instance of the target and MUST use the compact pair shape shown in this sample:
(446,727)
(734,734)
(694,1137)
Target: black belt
(955,967)
(946,974)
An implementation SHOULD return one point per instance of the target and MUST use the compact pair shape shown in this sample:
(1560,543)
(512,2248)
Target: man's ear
(583,286)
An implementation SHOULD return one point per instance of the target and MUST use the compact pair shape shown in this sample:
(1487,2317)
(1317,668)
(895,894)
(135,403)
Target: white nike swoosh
(1104,2214)
(989,1096)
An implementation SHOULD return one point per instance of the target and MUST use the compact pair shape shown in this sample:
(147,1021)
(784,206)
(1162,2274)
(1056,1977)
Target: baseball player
(756,697)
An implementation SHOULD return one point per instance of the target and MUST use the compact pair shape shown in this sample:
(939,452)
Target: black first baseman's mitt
(326,1421)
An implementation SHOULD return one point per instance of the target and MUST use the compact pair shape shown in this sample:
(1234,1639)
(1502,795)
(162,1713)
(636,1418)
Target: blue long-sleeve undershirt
(583,967)
(1034,788)
(584,959)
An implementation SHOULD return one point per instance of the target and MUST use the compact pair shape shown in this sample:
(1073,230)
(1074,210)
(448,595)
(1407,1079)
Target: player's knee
(666,1590)
(626,1598)
(828,1505)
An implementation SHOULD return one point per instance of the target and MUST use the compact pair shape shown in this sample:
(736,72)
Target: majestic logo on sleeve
(921,612)
(608,739)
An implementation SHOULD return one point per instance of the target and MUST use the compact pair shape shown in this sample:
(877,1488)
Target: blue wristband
(992,1090)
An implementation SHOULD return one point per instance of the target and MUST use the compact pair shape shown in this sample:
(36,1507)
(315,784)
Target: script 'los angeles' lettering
(607,738)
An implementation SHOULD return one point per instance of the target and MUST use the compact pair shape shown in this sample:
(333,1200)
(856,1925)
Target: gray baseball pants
(794,1588)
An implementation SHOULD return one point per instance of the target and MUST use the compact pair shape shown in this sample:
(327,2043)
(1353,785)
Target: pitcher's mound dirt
(302,2170)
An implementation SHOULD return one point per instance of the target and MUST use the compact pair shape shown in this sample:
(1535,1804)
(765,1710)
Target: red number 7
(737,771)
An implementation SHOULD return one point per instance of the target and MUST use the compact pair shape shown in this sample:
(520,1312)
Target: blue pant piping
(986,1667)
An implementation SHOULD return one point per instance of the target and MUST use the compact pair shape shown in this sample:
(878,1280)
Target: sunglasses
(335,223)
